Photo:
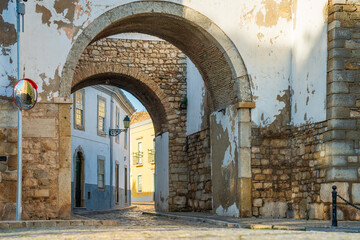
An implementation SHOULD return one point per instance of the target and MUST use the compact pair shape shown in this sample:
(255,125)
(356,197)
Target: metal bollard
(334,213)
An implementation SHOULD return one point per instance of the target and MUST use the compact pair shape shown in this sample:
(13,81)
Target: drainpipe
(20,10)
(111,150)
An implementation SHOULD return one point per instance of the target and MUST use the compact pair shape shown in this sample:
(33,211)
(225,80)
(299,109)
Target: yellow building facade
(142,150)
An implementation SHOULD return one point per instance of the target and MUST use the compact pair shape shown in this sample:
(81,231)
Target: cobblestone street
(135,225)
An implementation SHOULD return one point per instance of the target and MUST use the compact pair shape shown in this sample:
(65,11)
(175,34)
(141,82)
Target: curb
(216,222)
(57,223)
(231,224)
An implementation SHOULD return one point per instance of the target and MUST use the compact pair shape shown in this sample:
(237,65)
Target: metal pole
(334,213)
(19,146)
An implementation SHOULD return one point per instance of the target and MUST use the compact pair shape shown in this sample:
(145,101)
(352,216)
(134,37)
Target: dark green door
(78,168)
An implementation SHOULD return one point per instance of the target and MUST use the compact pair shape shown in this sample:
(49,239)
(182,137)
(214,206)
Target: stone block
(274,209)
(338,87)
(339,52)
(341,124)
(336,160)
(341,100)
(42,193)
(316,211)
(355,193)
(326,190)
(245,134)
(180,200)
(258,202)
(65,152)
(334,135)
(341,174)
(352,159)
(39,127)
(340,148)
(64,120)
(339,33)
(244,163)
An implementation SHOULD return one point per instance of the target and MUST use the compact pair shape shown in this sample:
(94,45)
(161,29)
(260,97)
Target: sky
(136,103)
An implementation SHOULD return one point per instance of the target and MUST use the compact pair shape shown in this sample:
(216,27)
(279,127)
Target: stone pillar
(64,178)
(341,162)
(244,160)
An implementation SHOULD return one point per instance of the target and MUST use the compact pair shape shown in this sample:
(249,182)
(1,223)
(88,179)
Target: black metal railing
(334,206)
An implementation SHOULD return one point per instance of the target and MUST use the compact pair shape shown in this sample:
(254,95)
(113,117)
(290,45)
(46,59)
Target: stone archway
(223,72)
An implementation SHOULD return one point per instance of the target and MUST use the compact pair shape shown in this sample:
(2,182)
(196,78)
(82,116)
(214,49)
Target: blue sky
(136,103)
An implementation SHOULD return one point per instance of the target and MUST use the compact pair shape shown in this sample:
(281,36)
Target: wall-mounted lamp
(116,131)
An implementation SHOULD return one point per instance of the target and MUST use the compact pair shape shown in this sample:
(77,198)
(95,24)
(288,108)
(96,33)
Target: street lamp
(116,131)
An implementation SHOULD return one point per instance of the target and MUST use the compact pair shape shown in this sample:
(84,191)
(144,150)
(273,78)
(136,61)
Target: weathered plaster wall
(224,152)
(262,30)
(162,172)
(195,98)
(8,59)
(309,58)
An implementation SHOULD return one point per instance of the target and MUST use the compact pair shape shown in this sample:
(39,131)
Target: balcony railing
(137,158)
(151,155)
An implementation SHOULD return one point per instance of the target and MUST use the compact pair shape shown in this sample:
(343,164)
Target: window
(117,123)
(101,116)
(79,110)
(139,183)
(139,155)
(101,173)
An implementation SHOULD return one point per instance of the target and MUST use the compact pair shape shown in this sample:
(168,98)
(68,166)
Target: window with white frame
(101,116)
(101,172)
(79,109)
(139,183)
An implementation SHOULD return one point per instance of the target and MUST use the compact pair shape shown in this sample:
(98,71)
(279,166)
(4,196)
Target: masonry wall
(285,172)
(200,186)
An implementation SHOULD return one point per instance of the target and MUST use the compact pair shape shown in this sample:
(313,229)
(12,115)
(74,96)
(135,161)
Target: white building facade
(100,162)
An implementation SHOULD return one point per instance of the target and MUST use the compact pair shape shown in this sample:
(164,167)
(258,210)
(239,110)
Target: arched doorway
(226,80)
(79,178)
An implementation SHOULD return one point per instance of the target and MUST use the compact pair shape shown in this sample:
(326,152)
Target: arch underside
(139,89)
(213,53)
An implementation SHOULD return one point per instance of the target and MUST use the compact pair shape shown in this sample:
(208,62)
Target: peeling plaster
(7,29)
(8,39)
(224,151)
(272,12)
(231,211)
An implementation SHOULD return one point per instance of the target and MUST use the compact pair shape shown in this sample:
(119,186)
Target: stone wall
(198,150)
(8,174)
(286,176)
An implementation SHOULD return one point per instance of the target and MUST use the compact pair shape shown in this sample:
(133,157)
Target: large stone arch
(226,81)
(132,80)
(215,55)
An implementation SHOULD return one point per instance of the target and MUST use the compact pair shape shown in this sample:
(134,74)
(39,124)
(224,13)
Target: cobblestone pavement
(135,225)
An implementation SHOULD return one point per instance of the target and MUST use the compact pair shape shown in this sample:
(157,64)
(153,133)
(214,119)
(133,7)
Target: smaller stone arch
(132,80)
(79,178)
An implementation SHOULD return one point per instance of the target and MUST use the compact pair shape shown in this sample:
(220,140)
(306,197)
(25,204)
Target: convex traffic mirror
(25,94)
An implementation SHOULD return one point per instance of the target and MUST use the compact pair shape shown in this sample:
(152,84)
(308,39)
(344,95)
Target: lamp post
(117,131)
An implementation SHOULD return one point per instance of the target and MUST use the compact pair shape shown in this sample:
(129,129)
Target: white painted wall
(162,172)
(195,96)
(267,48)
(94,145)
(309,62)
